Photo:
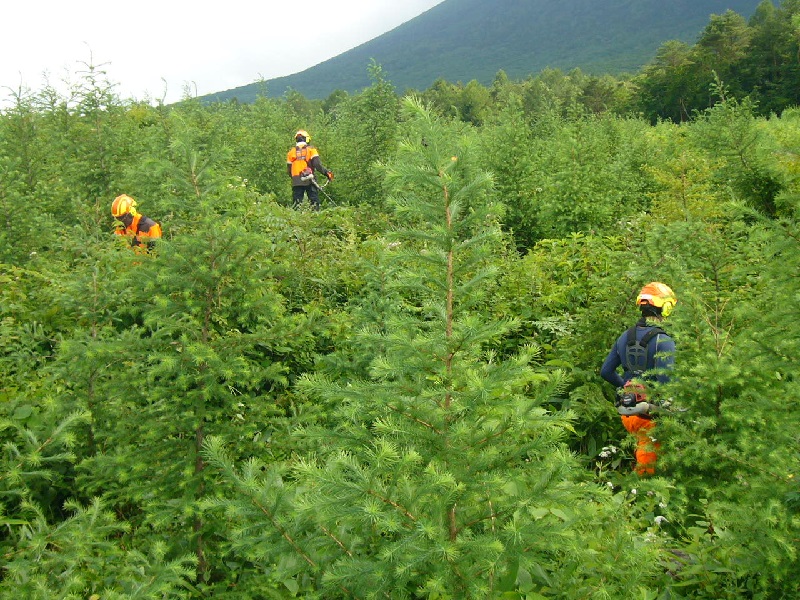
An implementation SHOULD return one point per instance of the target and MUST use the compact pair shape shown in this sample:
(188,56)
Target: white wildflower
(660,519)
(608,451)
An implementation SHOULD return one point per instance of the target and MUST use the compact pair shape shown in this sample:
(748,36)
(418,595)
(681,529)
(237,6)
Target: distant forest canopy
(465,40)
(756,58)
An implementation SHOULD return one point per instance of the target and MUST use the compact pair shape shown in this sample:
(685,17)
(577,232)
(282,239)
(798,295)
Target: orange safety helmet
(659,295)
(122,205)
(304,133)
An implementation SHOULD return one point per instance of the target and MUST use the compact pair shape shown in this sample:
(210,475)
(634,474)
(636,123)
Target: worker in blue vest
(645,352)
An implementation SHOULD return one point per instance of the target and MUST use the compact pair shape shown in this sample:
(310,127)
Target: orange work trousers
(646,446)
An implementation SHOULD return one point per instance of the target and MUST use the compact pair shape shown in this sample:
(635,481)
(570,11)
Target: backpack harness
(636,362)
(636,351)
(143,225)
(301,153)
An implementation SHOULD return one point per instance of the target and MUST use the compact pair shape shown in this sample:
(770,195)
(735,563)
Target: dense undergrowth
(397,396)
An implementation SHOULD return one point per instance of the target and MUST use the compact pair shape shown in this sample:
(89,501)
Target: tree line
(397,396)
(756,58)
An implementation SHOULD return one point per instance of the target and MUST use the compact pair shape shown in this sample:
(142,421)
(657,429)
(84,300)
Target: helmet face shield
(125,219)
(302,136)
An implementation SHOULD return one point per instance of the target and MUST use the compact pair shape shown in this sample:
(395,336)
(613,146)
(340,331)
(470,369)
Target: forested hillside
(398,396)
(466,40)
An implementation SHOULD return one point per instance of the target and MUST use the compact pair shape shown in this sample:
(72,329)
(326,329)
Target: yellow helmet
(659,295)
(304,134)
(122,205)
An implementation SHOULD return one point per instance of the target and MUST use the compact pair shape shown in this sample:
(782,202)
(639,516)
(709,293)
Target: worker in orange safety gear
(142,230)
(301,162)
(646,353)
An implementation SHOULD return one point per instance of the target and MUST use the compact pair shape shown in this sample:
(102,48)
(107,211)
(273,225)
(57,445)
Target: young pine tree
(733,455)
(203,359)
(442,473)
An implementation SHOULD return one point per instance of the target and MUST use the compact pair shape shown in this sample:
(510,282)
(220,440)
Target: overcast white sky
(156,48)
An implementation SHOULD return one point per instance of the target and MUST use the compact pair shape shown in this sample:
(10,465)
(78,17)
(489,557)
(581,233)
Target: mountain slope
(461,40)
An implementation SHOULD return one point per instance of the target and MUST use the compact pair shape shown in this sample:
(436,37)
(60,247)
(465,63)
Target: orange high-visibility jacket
(303,157)
(142,230)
